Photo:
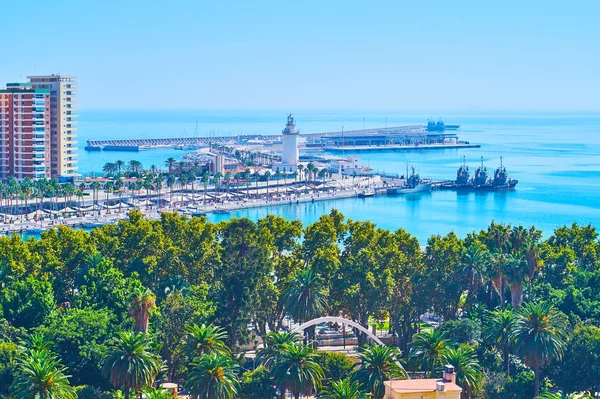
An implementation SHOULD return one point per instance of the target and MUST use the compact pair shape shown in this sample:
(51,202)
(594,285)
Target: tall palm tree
(497,332)
(267,178)
(516,273)
(305,299)
(300,171)
(120,165)
(129,362)
(170,163)
(274,345)
(205,179)
(378,364)
(109,168)
(278,177)
(344,389)
(256,176)
(247,173)
(213,376)
(141,304)
(202,340)
(95,186)
(309,169)
(135,167)
(118,188)
(473,259)
(227,179)
(467,368)
(297,371)
(494,272)
(539,333)
(171,180)
(426,349)
(39,375)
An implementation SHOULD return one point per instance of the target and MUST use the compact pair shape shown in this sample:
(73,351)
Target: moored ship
(481,181)
(413,184)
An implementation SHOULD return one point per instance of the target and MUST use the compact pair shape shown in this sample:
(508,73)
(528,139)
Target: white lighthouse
(289,141)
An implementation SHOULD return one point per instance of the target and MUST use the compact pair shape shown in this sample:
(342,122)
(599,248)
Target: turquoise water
(555,157)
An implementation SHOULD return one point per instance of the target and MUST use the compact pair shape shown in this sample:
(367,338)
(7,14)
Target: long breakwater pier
(398,137)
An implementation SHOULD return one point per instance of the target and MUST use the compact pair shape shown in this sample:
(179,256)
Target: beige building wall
(63,115)
(390,394)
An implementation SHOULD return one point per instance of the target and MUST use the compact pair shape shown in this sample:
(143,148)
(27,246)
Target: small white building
(349,167)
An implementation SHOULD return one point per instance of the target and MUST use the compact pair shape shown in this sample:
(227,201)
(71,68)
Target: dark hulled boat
(481,180)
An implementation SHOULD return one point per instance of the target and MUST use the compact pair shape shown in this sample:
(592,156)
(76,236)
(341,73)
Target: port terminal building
(384,137)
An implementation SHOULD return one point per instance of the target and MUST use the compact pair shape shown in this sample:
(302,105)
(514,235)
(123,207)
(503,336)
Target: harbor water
(555,157)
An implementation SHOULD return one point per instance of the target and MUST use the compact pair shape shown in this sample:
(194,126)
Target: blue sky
(391,55)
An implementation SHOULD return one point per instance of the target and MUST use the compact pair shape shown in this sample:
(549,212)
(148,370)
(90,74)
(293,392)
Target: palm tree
(497,332)
(156,393)
(473,259)
(277,177)
(119,165)
(247,173)
(300,170)
(267,177)
(108,188)
(427,347)
(274,346)
(256,176)
(202,340)
(213,376)
(170,163)
(109,168)
(40,375)
(516,272)
(561,395)
(129,363)
(217,180)
(141,304)
(227,179)
(118,187)
(305,299)
(135,167)
(494,272)
(344,389)
(95,186)
(297,371)
(171,180)
(309,169)
(539,333)
(205,179)
(467,368)
(378,364)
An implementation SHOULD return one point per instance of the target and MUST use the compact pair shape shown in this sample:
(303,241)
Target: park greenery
(113,312)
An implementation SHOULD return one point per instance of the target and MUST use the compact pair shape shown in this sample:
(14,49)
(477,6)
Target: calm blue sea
(555,157)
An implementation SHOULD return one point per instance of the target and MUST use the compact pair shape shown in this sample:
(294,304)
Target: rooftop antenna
(482,162)
(500,162)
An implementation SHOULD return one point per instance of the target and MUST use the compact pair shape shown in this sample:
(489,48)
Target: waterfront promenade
(113,208)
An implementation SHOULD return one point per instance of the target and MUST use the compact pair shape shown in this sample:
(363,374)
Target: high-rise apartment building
(25,149)
(63,130)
